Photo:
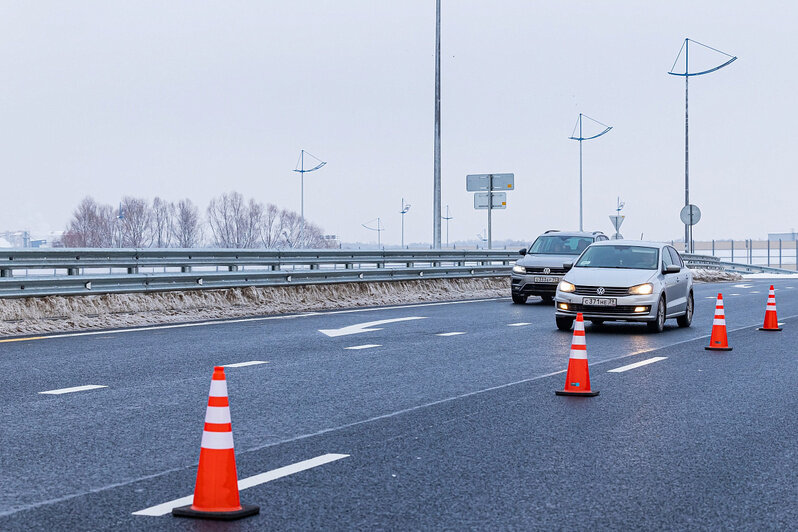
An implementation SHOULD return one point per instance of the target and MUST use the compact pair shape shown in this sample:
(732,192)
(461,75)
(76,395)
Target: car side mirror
(522,251)
(673,268)
(568,265)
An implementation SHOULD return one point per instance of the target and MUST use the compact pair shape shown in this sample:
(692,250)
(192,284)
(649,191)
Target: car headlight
(565,286)
(519,269)
(642,289)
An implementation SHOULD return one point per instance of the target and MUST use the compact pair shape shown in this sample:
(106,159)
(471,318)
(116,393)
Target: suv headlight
(519,269)
(642,289)
(565,286)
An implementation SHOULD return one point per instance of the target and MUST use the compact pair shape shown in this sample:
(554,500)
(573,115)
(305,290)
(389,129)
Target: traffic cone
(216,490)
(718,340)
(577,378)
(771,318)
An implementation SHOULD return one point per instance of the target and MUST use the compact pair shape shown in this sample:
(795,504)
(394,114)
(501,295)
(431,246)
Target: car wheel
(687,319)
(564,323)
(547,299)
(658,325)
(520,300)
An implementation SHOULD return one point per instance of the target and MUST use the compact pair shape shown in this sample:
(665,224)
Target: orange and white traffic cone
(216,491)
(718,340)
(771,318)
(577,378)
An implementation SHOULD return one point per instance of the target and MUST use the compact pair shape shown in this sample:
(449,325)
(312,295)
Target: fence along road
(25,272)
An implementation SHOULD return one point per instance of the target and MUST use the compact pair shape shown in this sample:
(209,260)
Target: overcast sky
(193,99)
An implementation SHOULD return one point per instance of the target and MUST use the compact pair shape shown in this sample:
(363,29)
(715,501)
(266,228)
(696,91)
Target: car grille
(620,309)
(609,291)
(539,269)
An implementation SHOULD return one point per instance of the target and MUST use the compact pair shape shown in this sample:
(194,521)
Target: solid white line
(364,346)
(520,324)
(75,389)
(248,320)
(450,334)
(244,364)
(256,480)
(636,365)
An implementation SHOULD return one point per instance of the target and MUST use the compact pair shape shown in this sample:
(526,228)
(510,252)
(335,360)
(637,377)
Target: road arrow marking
(369,326)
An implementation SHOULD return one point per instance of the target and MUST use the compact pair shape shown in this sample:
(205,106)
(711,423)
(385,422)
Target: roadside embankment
(38,315)
(704,275)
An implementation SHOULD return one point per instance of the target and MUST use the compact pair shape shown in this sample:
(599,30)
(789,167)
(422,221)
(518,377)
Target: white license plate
(599,301)
(553,280)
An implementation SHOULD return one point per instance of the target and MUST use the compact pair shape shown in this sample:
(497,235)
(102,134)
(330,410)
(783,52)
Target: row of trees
(230,222)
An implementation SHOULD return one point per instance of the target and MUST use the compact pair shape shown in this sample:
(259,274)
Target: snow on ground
(37,315)
(705,275)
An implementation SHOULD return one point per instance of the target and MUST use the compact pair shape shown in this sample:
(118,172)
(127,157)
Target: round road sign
(690,211)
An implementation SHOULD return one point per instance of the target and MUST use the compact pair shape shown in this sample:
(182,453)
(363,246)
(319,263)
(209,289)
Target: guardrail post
(6,273)
(73,271)
(381,265)
(779,253)
(349,266)
(185,269)
(314,266)
(232,268)
(275,267)
(409,264)
(133,269)
(732,251)
(768,251)
(713,247)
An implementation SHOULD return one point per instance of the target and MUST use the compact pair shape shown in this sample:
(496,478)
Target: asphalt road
(439,430)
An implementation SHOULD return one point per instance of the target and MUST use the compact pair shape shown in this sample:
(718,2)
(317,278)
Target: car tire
(519,300)
(687,318)
(548,300)
(658,325)
(564,323)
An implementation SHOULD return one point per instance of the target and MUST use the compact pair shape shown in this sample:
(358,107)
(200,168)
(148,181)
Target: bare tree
(163,221)
(135,223)
(91,225)
(187,225)
(270,234)
(234,222)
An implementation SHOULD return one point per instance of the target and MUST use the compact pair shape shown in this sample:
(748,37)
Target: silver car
(626,280)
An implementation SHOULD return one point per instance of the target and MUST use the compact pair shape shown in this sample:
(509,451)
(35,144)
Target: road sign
(499,200)
(617,220)
(479,182)
(690,214)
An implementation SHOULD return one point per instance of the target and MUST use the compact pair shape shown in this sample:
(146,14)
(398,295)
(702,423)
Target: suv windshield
(560,245)
(628,257)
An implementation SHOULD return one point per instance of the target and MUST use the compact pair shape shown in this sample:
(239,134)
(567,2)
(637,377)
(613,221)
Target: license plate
(553,280)
(599,301)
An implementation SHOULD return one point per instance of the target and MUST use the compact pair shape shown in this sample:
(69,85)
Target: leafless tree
(135,223)
(91,225)
(163,222)
(270,233)
(187,224)
(234,222)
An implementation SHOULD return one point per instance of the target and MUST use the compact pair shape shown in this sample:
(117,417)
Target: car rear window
(625,257)
(560,245)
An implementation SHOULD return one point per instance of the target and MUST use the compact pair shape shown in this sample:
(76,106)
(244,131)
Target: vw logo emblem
(547,270)
(600,290)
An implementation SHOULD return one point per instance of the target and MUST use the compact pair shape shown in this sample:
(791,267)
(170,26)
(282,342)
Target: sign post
(690,215)
(489,183)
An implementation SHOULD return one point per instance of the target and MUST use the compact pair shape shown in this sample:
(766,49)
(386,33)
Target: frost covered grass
(705,275)
(37,315)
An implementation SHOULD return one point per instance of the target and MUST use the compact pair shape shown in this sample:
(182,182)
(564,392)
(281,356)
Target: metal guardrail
(91,271)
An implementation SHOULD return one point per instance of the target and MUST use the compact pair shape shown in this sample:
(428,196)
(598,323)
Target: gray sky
(192,99)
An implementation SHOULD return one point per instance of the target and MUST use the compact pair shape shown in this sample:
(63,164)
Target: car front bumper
(627,308)
(525,285)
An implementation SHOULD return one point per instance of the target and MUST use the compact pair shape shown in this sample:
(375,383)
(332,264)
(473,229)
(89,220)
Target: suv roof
(640,243)
(574,233)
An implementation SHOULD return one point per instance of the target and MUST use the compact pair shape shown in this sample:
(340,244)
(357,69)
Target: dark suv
(541,268)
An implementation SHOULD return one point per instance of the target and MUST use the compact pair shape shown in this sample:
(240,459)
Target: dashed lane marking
(450,334)
(74,389)
(519,324)
(636,364)
(244,364)
(364,346)
(249,482)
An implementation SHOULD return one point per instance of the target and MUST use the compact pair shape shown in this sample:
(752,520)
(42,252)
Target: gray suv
(540,269)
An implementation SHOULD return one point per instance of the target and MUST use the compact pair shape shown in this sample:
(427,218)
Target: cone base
(710,348)
(777,329)
(576,394)
(245,511)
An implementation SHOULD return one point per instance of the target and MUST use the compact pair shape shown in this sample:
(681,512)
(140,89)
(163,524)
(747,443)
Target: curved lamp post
(580,138)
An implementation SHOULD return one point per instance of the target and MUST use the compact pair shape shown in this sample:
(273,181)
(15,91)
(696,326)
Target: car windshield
(627,257)
(560,245)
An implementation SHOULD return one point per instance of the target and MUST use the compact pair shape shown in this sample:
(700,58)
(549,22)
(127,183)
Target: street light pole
(301,169)
(447,218)
(436,192)
(405,208)
(580,138)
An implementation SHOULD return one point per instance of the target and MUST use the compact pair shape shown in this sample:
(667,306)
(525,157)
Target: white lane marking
(165,508)
(636,365)
(364,346)
(248,320)
(450,333)
(743,286)
(754,292)
(519,324)
(74,389)
(735,294)
(710,297)
(369,326)
(781,323)
(245,364)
